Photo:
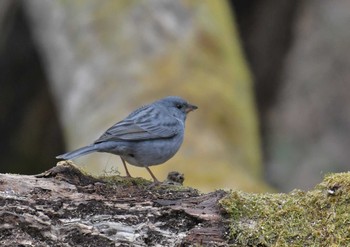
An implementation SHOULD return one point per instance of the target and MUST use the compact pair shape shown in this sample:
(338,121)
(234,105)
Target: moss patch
(320,217)
(124,181)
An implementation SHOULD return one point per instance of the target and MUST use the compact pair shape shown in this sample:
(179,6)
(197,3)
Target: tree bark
(64,207)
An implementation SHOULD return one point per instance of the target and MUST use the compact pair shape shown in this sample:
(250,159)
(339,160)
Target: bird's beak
(190,108)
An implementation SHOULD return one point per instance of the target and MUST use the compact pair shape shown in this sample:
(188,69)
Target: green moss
(124,181)
(141,182)
(320,217)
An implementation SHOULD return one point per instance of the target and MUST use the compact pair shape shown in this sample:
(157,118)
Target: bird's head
(177,106)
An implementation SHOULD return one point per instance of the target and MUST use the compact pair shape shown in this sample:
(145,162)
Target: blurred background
(271,79)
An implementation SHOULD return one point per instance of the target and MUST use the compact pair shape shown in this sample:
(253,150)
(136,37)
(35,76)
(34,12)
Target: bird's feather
(139,125)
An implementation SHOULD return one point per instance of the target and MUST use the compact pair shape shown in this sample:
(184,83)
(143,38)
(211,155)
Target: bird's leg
(154,177)
(126,169)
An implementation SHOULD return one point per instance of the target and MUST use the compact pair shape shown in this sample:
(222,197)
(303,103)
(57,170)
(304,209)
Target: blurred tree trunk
(266,28)
(309,124)
(30,131)
(298,54)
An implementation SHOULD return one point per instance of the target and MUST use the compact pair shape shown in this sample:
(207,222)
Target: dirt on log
(64,207)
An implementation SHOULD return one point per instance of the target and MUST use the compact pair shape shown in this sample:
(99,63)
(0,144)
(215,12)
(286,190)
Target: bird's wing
(145,123)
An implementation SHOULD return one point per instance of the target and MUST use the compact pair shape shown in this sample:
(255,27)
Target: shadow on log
(65,207)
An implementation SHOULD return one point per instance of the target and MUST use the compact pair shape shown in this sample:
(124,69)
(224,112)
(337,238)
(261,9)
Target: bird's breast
(153,152)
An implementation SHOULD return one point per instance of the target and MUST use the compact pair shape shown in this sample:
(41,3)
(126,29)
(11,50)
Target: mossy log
(319,217)
(65,207)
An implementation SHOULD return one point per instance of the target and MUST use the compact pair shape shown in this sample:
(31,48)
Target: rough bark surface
(64,207)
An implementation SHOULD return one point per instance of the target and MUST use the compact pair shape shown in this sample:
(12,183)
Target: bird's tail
(77,153)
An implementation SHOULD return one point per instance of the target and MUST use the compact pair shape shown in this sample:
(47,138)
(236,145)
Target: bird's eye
(178,106)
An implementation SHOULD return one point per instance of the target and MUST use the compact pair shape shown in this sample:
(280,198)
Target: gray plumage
(149,136)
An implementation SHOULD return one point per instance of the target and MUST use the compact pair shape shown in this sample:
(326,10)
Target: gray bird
(149,136)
